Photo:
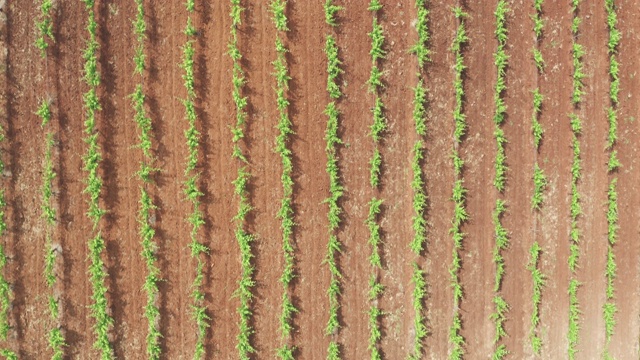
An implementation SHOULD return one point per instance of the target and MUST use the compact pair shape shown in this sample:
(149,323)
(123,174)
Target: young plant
(377,53)
(420,49)
(333,67)
(536,127)
(330,11)
(8,354)
(45,27)
(538,280)
(539,185)
(538,27)
(578,53)
(537,57)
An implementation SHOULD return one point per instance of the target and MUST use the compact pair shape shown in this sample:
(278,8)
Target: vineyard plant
(329,179)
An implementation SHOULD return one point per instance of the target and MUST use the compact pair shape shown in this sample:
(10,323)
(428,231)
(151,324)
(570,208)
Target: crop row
(538,280)
(192,191)
(539,184)
(539,178)
(334,246)
(55,337)
(377,129)
(243,237)
(285,213)
(610,308)
(501,307)
(421,51)
(460,215)
(147,207)
(575,208)
(94,183)
(418,219)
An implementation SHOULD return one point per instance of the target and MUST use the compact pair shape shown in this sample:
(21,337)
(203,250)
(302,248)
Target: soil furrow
(75,230)
(518,220)
(217,117)
(439,178)
(356,118)
(265,187)
(625,342)
(165,52)
(308,69)
(595,181)
(23,157)
(478,152)
(396,146)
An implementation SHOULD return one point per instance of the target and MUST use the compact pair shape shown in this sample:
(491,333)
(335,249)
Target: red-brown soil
(27,79)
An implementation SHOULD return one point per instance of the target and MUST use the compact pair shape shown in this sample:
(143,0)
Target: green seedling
(330,11)
(45,27)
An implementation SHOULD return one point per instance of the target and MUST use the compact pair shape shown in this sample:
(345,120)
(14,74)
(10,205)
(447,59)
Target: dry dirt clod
(57,248)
